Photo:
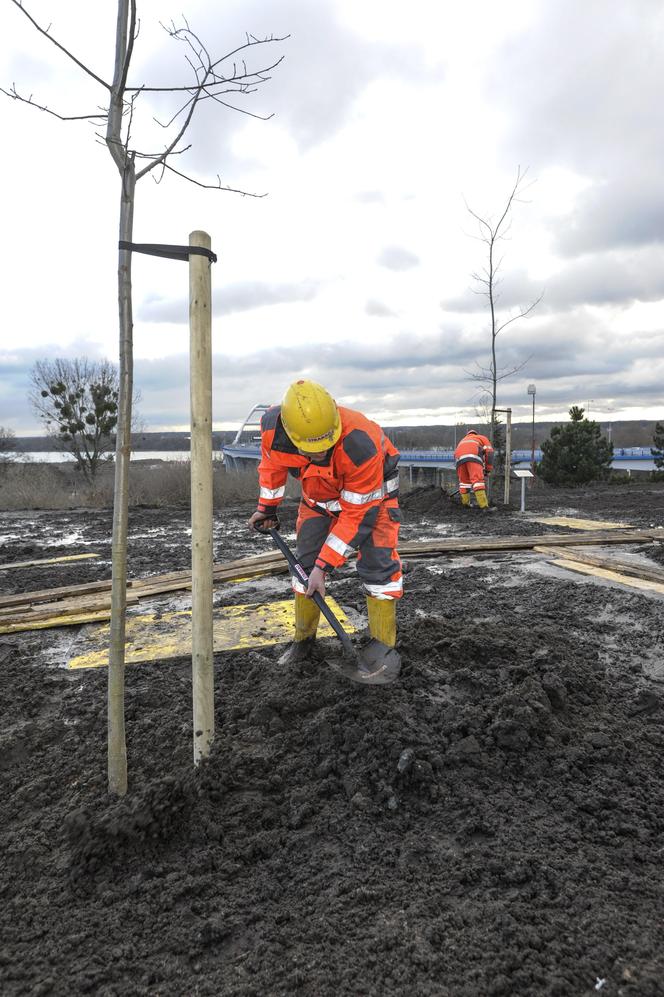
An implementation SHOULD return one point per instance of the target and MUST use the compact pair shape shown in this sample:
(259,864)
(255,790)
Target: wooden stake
(508,454)
(200,327)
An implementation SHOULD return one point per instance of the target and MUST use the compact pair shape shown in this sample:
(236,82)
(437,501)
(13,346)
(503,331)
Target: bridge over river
(240,455)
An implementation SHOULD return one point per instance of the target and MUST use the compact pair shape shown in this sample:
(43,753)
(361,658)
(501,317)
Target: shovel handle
(301,574)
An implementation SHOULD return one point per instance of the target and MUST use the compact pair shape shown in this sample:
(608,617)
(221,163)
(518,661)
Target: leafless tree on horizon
(491,233)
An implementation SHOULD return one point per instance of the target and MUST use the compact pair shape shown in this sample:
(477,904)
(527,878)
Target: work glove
(263,521)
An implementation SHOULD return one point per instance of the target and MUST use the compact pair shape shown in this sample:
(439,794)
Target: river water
(54,457)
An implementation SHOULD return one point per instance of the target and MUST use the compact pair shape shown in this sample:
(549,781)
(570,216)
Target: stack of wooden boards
(84,603)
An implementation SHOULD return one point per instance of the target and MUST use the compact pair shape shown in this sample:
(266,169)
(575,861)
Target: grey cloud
(609,279)
(617,213)
(240,297)
(570,358)
(616,278)
(417,367)
(370,197)
(378,309)
(326,67)
(398,258)
(579,80)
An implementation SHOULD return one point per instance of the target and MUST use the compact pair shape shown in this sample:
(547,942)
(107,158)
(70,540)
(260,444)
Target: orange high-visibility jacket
(360,473)
(475,448)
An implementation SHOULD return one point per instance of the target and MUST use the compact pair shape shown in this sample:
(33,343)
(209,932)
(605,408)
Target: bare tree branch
(162,158)
(520,314)
(217,79)
(46,33)
(484,375)
(240,110)
(209,186)
(15,95)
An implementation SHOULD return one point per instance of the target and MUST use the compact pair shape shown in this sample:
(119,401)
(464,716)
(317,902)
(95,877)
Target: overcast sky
(388,121)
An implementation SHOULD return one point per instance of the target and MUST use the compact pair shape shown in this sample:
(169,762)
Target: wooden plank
(647,572)
(273,562)
(221,570)
(46,560)
(46,595)
(45,611)
(457,545)
(55,621)
(578,524)
(612,576)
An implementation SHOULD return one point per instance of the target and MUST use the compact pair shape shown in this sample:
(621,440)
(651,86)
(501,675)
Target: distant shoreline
(627,433)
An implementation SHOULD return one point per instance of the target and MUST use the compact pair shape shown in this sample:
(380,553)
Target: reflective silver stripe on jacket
(471,457)
(337,544)
(333,505)
(273,493)
(362,498)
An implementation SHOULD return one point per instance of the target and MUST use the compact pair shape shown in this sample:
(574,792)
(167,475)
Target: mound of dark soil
(489,827)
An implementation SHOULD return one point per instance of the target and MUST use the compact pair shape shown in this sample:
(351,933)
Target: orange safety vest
(360,473)
(475,448)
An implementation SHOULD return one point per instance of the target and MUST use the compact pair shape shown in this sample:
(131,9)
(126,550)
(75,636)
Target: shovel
(375,664)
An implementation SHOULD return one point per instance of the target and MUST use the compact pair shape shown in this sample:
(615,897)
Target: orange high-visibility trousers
(378,562)
(471,477)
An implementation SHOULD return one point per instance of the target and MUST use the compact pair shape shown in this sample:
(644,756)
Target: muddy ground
(492,826)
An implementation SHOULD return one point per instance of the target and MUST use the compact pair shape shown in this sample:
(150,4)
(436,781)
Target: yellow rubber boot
(307,615)
(465,498)
(482,500)
(383,619)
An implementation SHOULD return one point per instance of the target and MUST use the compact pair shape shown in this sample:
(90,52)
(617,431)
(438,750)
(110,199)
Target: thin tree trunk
(494,368)
(117,748)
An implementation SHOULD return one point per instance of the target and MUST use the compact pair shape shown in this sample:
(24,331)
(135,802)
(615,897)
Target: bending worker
(473,459)
(347,468)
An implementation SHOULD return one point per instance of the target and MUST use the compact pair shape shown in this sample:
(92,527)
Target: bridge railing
(236,454)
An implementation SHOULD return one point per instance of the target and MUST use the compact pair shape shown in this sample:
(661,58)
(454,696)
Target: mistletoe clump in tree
(576,453)
(658,450)
(6,445)
(77,401)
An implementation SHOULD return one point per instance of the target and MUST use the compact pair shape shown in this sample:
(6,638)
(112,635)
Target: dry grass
(156,484)
(151,484)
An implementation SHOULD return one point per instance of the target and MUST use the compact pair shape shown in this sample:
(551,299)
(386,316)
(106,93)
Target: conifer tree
(658,450)
(575,453)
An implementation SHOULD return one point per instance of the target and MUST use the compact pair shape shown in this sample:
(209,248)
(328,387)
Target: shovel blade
(375,664)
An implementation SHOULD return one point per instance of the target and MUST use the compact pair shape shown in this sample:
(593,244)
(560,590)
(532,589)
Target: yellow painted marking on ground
(151,637)
(579,524)
(46,560)
(611,576)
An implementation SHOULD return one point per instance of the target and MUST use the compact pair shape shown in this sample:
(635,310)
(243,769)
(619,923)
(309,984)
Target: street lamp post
(531,391)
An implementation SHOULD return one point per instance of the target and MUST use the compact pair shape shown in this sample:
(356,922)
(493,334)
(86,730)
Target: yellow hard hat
(310,417)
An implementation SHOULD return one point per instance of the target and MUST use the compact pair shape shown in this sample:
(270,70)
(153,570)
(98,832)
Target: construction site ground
(490,826)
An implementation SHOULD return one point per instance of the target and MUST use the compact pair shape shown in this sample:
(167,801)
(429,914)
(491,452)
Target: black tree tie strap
(168,252)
